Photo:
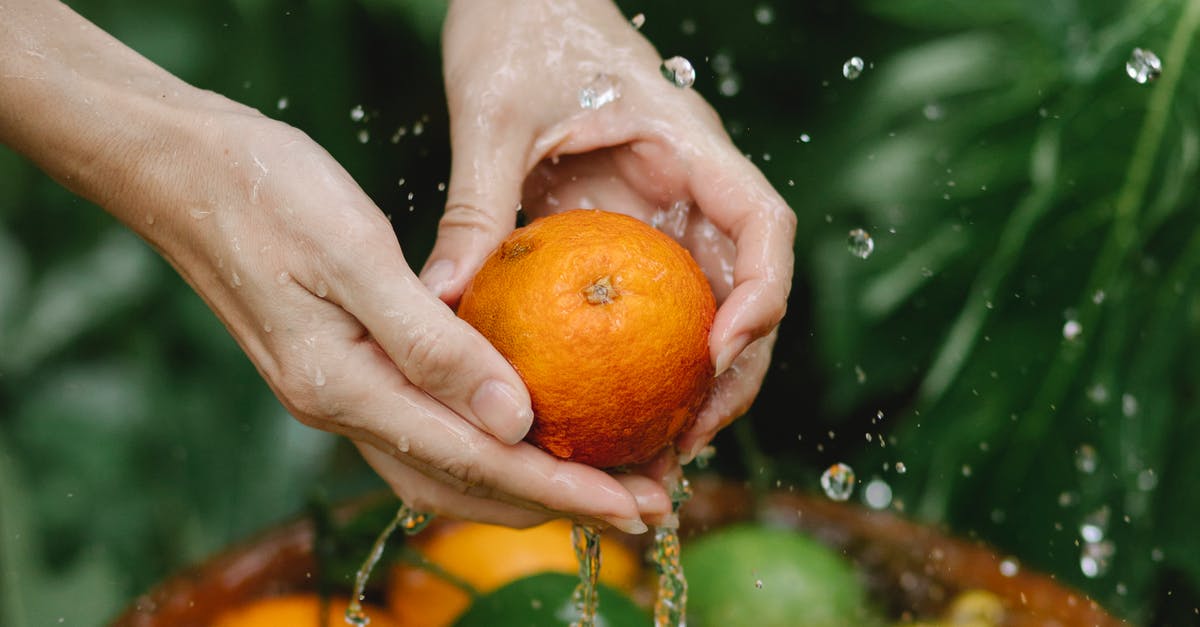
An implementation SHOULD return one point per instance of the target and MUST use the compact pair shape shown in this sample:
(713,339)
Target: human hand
(303,270)
(521,139)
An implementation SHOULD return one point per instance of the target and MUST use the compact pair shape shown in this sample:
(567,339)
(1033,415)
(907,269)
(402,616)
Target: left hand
(521,141)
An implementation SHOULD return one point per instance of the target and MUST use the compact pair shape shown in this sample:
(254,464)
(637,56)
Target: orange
(487,557)
(297,610)
(606,320)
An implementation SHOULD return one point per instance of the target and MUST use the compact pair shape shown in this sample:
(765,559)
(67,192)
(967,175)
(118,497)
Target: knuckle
(426,356)
(468,473)
(469,216)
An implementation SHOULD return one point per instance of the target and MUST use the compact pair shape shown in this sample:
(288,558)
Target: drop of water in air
(764,14)
(860,243)
(901,468)
(838,481)
(852,68)
(804,138)
(357,114)
(282,103)
(679,71)
(1009,567)
(1071,330)
(1147,480)
(1098,394)
(638,21)
(1094,561)
(878,494)
(1129,405)
(1085,459)
(601,90)
(1093,526)
(1143,66)
(363,136)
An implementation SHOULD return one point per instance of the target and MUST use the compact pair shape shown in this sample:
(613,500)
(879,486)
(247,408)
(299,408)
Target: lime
(751,575)
(545,601)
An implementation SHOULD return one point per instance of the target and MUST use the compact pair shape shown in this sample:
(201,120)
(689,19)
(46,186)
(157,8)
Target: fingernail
(437,276)
(631,526)
(732,349)
(686,457)
(497,405)
(655,502)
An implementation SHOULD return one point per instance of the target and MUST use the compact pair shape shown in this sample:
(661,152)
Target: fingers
(426,494)
(481,207)
(434,349)
(736,197)
(731,397)
(380,407)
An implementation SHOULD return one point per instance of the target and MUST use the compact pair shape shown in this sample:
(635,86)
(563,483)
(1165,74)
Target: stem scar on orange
(606,320)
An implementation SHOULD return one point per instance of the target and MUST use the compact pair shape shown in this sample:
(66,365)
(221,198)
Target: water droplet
(1085,459)
(966,470)
(357,114)
(901,468)
(418,127)
(933,112)
(764,14)
(282,103)
(1098,297)
(1098,394)
(679,71)
(322,289)
(1010,567)
(319,377)
(638,21)
(441,187)
(1129,405)
(1071,330)
(1147,480)
(149,218)
(860,243)
(758,584)
(804,138)
(877,494)
(199,214)
(1157,555)
(852,68)
(283,278)
(688,26)
(1094,561)
(267,327)
(838,481)
(237,280)
(1093,526)
(400,132)
(601,90)
(402,444)
(1143,66)
(729,85)
(363,136)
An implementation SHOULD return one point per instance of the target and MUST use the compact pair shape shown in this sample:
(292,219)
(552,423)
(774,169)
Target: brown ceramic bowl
(912,570)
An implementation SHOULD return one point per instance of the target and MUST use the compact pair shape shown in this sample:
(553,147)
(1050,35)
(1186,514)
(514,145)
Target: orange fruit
(606,320)
(487,557)
(297,610)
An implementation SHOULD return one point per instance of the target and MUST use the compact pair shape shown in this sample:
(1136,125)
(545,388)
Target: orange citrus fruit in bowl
(297,610)
(606,320)
(486,557)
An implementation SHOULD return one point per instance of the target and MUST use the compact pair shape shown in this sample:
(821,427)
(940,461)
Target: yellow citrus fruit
(607,320)
(486,557)
(297,610)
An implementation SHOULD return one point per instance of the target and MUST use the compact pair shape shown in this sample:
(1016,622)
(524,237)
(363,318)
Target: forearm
(92,113)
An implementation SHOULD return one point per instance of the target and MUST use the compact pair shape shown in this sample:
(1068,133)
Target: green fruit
(545,601)
(754,576)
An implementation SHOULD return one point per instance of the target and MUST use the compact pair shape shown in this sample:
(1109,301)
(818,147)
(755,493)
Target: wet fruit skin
(488,557)
(606,320)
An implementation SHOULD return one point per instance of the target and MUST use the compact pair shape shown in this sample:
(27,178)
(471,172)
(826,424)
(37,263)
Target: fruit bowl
(912,571)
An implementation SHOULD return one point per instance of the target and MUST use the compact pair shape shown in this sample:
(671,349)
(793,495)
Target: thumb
(481,210)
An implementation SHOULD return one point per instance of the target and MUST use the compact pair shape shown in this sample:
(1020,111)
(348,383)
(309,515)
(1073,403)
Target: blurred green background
(1014,178)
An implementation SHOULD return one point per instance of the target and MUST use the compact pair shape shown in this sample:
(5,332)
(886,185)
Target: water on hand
(412,523)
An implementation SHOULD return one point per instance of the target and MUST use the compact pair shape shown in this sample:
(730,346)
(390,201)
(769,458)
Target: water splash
(853,68)
(638,21)
(860,244)
(412,522)
(670,604)
(1143,66)
(838,481)
(679,71)
(585,599)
